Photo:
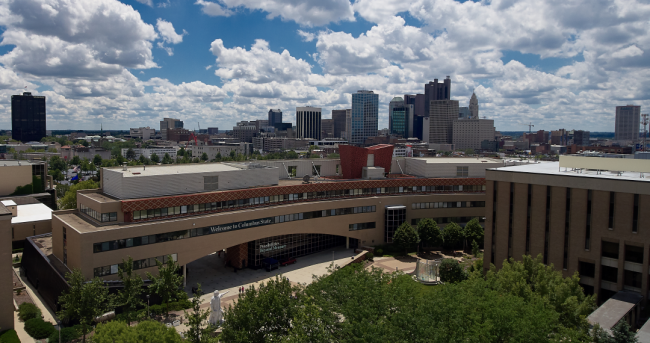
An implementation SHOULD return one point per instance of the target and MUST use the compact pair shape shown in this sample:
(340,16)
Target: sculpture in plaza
(216,314)
(427,271)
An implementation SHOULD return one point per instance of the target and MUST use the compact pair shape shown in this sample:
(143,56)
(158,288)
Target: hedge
(67,335)
(38,328)
(27,311)
(9,336)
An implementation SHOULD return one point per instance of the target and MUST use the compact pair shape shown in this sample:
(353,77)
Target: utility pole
(644,121)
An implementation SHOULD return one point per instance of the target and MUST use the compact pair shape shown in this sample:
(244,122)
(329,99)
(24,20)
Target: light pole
(58,323)
(148,314)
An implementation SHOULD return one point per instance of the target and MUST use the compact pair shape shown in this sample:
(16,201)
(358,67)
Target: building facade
(339,123)
(169,123)
(28,119)
(327,128)
(469,133)
(442,115)
(364,116)
(434,91)
(245,131)
(473,107)
(400,118)
(582,214)
(159,151)
(222,150)
(308,122)
(275,117)
(628,122)
(143,133)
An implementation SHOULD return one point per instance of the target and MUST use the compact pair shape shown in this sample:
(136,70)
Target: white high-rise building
(473,107)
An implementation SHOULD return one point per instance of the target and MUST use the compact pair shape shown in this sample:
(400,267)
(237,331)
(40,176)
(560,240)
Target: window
(210,183)
(610,250)
(462,171)
(586,269)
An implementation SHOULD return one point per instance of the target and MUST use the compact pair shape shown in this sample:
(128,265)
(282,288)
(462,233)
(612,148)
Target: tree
(56,174)
(147,331)
(57,163)
(218,157)
(129,296)
(204,157)
(622,333)
(451,271)
(167,159)
(232,153)
(198,331)
(473,231)
(75,161)
(130,154)
(452,235)
(429,233)
(181,152)
(406,237)
(84,301)
(85,143)
(97,160)
(70,198)
(262,314)
(167,284)
(155,158)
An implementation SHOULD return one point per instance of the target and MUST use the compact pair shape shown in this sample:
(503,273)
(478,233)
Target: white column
(185,275)
(347,242)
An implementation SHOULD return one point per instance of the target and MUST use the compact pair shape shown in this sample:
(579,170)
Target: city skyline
(132,63)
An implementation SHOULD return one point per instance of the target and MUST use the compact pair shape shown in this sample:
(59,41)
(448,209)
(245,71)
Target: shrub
(27,311)
(369,256)
(38,328)
(9,336)
(67,335)
(379,252)
(451,271)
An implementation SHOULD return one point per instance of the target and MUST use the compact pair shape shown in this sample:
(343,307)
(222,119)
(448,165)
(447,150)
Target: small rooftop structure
(622,306)
(32,213)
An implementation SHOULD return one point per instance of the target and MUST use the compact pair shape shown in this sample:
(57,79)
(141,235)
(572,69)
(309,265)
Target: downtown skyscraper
(27,117)
(364,116)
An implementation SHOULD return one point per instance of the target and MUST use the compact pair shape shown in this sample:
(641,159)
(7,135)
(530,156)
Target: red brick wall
(353,159)
(235,255)
(383,156)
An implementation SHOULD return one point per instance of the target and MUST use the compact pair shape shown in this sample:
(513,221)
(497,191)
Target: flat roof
(614,309)
(553,168)
(458,160)
(32,213)
(8,202)
(191,168)
(14,163)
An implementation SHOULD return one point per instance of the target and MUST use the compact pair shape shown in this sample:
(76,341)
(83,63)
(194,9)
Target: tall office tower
(339,122)
(327,128)
(417,101)
(27,117)
(436,91)
(442,115)
(275,117)
(473,106)
(400,118)
(169,123)
(464,113)
(308,122)
(470,133)
(628,122)
(365,116)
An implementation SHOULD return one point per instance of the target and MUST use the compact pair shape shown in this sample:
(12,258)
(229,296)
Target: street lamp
(58,323)
(148,314)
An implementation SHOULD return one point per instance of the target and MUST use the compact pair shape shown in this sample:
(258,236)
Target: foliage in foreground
(69,200)
(145,332)
(67,334)
(9,336)
(354,304)
(38,328)
(27,311)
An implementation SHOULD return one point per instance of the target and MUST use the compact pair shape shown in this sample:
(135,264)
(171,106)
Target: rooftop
(611,312)
(15,163)
(454,160)
(192,168)
(553,168)
(32,213)
(8,202)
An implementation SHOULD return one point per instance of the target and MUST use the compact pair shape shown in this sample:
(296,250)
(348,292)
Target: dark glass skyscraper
(436,91)
(365,115)
(275,117)
(27,117)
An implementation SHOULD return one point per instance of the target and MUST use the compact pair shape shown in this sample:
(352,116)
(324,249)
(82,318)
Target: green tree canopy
(70,198)
(451,271)
(406,237)
(452,235)
(130,154)
(75,161)
(199,331)
(167,284)
(129,296)
(97,160)
(57,163)
(167,159)
(204,157)
(145,332)
(473,231)
(84,301)
(155,158)
(429,233)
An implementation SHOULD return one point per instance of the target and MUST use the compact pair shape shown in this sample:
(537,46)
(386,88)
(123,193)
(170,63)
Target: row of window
(231,204)
(448,204)
(362,226)
(102,217)
(447,220)
(137,264)
(176,235)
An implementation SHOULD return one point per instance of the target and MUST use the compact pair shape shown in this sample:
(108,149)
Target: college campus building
(583,214)
(255,210)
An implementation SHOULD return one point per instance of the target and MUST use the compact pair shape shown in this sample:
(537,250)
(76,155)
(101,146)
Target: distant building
(580,137)
(28,117)
(213,130)
(442,115)
(148,152)
(339,122)
(177,135)
(222,150)
(463,113)
(365,116)
(275,117)
(167,124)
(327,128)
(434,91)
(560,137)
(469,133)
(144,133)
(245,131)
(400,118)
(417,100)
(270,144)
(628,122)
(308,122)
(473,106)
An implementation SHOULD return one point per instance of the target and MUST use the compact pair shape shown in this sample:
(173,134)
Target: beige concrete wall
(6,280)
(14,176)
(80,244)
(21,231)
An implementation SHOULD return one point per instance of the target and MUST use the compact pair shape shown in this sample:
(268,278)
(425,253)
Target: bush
(9,336)
(369,256)
(38,328)
(451,271)
(27,311)
(379,252)
(67,335)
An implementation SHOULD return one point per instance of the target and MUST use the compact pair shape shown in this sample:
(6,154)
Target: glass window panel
(129,242)
(136,215)
(183,209)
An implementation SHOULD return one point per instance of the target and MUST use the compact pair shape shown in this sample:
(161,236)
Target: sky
(121,64)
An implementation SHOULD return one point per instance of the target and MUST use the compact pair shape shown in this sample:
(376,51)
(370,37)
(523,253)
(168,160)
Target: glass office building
(365,114)
(290,246)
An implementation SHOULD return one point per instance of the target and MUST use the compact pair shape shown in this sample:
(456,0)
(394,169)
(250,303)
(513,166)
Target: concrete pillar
(185,275)
(6,278)
(347,242)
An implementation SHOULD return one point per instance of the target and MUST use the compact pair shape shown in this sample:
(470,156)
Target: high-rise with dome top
(473,107)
